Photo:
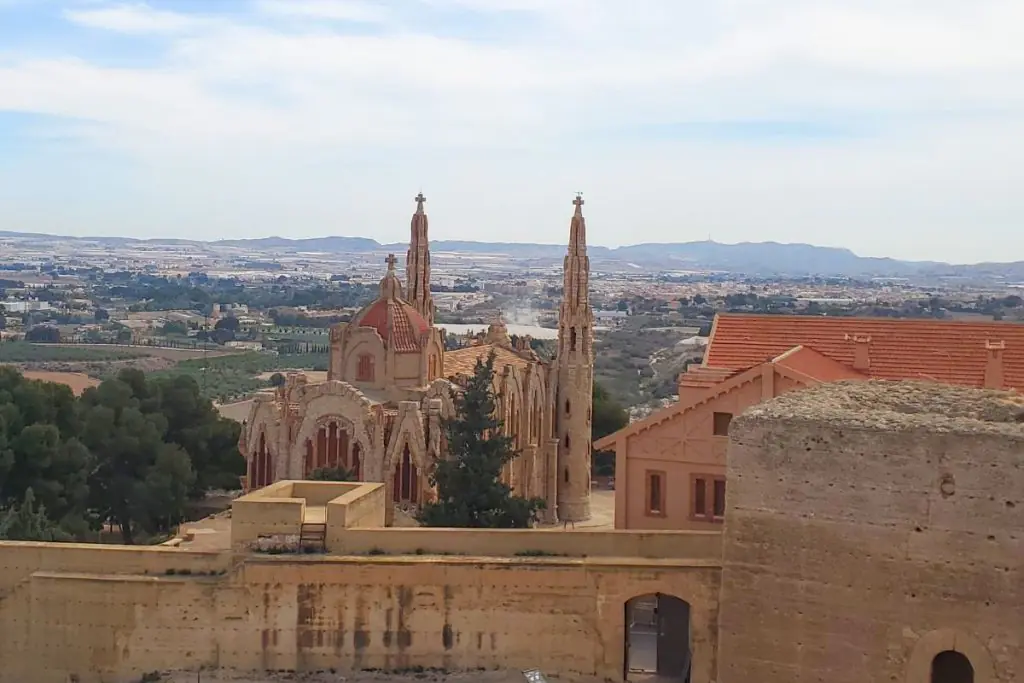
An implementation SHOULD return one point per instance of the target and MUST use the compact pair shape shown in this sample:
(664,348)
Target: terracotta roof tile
(463,361)
(944,351)
(807,361)
(407,325)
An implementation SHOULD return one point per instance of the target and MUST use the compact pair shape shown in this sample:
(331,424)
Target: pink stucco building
(670,467)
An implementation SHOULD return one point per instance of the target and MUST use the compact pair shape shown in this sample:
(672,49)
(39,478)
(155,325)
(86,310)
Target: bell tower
(417,264)
(575,368)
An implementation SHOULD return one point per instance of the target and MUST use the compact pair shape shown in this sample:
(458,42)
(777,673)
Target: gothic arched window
(364,368)
(572,338)
(406,481)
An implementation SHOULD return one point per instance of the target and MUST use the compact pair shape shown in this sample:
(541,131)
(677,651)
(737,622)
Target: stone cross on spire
(391,261)
(578,203)
(417,263)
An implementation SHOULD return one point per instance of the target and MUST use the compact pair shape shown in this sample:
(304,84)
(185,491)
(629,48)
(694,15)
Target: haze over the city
(890,128)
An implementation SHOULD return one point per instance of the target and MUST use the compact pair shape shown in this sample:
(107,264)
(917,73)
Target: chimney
(861,352)
(994,364)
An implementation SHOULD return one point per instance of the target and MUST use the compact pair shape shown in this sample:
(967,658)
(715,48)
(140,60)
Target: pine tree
(469,488)
(28,522)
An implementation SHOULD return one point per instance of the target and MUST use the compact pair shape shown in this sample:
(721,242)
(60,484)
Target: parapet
(896,407)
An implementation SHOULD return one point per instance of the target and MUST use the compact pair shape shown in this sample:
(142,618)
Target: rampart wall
(860,543)
(110,615)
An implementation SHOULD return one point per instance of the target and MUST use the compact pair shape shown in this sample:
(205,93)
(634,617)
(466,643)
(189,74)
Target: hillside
(752,258)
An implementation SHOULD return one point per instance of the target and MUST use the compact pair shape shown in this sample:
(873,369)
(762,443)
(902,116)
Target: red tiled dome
(407,325)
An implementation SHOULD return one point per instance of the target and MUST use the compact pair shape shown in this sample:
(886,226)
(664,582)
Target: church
(390,387)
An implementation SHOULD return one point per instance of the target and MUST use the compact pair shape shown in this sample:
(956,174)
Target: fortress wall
(847,558)
(260,516)
(311,613)
(19,560)
(321,492)
(365,508)
(699,545)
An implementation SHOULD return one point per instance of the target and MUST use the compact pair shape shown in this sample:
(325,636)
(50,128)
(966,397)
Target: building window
(566,475)
(405,487)
(655,494)
(364,368)
(708,498)
(566,442)
(721,423)
(566,406)
(572,338)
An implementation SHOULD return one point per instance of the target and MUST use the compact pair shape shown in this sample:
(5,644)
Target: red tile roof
(406,324)
(807,361)
(944,351)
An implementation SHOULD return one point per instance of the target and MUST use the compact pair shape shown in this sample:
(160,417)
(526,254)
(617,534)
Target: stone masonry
(870,527)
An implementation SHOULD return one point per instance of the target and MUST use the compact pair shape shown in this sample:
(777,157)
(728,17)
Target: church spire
(575,375)
(417,264)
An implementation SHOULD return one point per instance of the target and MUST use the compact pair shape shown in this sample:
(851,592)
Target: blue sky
(892,127)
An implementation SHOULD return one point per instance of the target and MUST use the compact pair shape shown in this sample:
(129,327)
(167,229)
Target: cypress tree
(470,493)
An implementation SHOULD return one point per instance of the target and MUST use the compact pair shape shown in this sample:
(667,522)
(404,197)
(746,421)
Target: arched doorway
(657,639)
(950,666)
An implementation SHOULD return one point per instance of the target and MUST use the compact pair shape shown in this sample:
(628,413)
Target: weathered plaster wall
(682,447)
(309,613)
(864,535)
(528,542)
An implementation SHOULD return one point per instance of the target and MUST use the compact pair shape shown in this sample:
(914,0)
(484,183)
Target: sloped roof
(815,365)
(407,325)
(463,361)
(944,351)
(800,364)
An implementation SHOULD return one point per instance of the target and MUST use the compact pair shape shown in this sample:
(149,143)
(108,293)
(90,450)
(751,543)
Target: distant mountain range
(751,258)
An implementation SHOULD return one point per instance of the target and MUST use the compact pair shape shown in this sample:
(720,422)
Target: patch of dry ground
(78,381)
(237,411)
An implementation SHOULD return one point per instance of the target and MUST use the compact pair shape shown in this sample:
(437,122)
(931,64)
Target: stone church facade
(391,384)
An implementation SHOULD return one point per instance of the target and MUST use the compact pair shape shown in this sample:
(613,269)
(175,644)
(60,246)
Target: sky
(890,127)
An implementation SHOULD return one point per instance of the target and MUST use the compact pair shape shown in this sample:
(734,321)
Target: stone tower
(417,265)
(575,368)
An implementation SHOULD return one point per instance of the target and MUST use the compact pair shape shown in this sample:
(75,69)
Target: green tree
(175,327)
(139,478)
(229,322)
(470,491)
(26,522)
(277,380)
(210,440)
(39,449)
(331,474)
(608,416)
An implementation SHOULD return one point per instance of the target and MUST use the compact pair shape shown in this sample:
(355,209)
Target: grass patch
(538,553)
(26,352)
(227,378)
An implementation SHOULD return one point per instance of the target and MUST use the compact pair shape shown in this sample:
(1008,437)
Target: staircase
(313,534)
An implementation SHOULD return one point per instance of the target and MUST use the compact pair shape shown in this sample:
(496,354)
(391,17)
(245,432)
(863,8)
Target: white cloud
(556,104)
(334,10)
(133,18)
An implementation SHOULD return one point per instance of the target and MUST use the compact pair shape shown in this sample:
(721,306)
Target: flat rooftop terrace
(900,406)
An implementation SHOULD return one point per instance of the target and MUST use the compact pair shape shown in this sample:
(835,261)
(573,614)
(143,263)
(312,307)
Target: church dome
(397,322)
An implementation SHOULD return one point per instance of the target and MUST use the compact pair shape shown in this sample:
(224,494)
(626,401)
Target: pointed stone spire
(417,264)
(575,375)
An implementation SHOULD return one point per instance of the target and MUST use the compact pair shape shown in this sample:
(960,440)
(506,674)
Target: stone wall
(869,527)
(91,618)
